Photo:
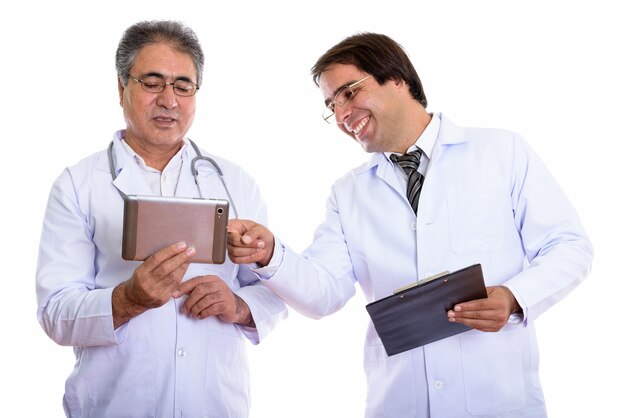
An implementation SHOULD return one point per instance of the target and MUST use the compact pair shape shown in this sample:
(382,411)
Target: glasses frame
(164,85)
(330,107)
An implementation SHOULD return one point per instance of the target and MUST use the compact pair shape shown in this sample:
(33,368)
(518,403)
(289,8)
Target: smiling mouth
(357,129)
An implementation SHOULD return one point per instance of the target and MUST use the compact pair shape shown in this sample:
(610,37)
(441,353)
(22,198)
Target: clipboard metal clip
(420,282)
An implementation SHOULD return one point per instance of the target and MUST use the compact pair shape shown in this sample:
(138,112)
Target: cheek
(190,113)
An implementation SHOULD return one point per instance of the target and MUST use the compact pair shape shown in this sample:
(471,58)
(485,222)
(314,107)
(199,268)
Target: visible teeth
(357,129)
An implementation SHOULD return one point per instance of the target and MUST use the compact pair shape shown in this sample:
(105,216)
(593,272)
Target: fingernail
(176,294)
(191,251)
(246,239)
(181,245)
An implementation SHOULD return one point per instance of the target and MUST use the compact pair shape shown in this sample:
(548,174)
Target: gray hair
(146,33)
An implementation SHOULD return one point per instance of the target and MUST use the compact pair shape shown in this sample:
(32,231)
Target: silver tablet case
(154,222)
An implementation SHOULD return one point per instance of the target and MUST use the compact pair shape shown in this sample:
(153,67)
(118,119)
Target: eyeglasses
(156,84)
(342,98)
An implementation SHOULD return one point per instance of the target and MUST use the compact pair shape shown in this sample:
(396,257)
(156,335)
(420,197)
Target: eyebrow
(155,74)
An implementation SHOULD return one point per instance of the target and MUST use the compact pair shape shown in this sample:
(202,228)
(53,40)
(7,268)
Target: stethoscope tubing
(194,172)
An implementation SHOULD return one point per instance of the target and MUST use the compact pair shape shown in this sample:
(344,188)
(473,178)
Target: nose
(342,113)
(167,98)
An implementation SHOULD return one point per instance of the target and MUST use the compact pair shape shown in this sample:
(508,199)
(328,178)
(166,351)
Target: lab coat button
(413,226)
(439,384)
(181,352)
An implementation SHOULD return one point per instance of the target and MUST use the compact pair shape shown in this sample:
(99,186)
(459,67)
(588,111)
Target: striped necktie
(409,163)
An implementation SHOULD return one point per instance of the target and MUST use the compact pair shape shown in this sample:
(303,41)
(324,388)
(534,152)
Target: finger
(258,235)
(247,257)
(206,307)
(485,320)
(479,324)
(254,235)
(187,286)
(169,282)
(209,305)
(155,282)
(164,254)
(197,300)
(202,297)
(242,251)
(473,305)
(177,263)
(244,241)
(239,226)
(236,239)
(470,314)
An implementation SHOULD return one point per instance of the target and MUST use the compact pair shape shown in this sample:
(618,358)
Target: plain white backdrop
(551,70)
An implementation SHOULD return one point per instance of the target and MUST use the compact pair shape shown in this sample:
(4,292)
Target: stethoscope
(194,172)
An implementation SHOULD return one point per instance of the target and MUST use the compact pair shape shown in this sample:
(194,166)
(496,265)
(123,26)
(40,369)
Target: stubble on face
(156,123)
(373,117)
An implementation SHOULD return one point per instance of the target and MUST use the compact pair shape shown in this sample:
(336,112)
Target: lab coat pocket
(493,372)
(475,217)
(227,379)
(390,382)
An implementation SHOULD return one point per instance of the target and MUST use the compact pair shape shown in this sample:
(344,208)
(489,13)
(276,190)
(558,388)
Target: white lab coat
(488,199)
(161,363)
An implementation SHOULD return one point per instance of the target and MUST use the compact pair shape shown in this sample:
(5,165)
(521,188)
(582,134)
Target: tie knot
(409,161)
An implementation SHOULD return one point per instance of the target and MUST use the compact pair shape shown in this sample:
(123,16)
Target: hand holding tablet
(154,222)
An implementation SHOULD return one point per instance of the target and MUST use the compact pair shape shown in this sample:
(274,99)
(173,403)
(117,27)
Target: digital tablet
(154,222)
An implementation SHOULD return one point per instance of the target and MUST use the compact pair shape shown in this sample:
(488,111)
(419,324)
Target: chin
(366,145)
(366,148)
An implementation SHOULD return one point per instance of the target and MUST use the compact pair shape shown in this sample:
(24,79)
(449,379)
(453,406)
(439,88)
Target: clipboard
(415,315)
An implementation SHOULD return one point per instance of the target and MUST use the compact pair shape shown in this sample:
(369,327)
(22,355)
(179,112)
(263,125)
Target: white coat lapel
(129,178)
(385,170)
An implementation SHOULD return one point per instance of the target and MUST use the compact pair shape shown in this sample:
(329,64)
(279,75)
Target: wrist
(514,305)
(122,306)
(244,316)
(269,254)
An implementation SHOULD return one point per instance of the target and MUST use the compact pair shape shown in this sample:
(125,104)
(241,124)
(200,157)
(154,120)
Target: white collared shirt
(162,183)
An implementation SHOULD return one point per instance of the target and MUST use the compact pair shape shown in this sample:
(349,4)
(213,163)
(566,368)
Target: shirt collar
(173,164)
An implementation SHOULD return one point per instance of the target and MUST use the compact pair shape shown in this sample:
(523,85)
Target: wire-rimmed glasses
(342,98)
(156,84)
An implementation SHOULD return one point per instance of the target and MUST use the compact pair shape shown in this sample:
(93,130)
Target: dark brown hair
(375,54)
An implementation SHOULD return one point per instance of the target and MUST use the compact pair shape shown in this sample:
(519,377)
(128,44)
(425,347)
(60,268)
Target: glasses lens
(184,88)
(341,99)
(328,115)
(345,95)
(153,84)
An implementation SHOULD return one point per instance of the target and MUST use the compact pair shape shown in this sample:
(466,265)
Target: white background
(551,70)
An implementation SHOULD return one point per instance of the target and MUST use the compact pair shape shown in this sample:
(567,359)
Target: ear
(120,90)
(400,86)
